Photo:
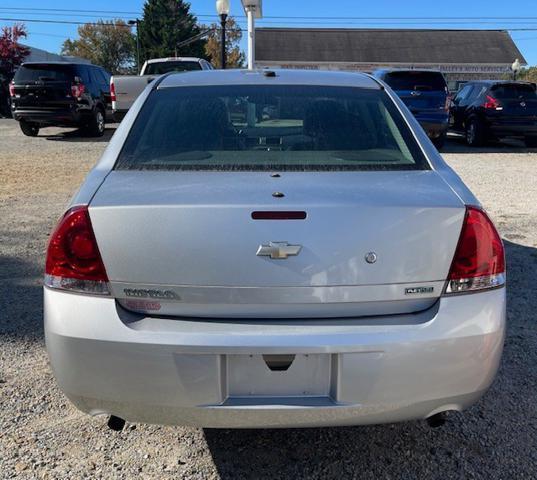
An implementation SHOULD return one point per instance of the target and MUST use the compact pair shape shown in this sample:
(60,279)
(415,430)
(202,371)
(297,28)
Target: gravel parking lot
(43,436)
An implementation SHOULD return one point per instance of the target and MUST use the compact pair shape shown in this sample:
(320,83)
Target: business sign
(369,67)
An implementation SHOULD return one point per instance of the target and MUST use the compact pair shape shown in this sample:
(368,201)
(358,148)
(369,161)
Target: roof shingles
(386,46)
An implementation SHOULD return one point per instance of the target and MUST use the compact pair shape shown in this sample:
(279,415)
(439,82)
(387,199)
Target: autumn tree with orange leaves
(235,57)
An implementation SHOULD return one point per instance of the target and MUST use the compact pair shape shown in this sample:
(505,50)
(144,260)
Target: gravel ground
(43,436)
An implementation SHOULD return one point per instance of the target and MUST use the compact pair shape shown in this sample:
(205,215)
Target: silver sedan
(273,249)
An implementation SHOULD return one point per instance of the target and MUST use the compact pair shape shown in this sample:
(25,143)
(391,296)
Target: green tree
(110,44)
(166,23)
(235,56)
(528,74)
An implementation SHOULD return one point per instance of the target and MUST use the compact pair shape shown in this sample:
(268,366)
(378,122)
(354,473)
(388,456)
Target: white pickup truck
(124,89)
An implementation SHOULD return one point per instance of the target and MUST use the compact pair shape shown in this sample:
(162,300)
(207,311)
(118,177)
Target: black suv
(61,94)
(491,109)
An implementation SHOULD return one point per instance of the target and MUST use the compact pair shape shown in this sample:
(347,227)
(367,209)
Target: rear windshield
(167,67)
(517,91)
(421,81)
(41,73)
(263,128)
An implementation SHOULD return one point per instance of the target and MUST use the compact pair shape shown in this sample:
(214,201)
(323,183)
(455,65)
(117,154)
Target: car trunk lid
(423,101)
(421,91)
(185,243)
(518,101)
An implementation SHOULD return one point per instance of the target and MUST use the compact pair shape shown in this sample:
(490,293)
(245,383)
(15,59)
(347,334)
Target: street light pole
(516,67)
(137,23)
(222,8)
(223,20)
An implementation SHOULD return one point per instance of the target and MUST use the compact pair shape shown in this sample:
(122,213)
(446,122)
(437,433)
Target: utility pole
(251,37)
(253,9)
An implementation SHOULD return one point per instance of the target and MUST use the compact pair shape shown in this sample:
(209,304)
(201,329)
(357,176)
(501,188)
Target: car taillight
(73,259)
(447,106)
(491,103)
(77,89)
(479,261)
(112,92)
(11,90)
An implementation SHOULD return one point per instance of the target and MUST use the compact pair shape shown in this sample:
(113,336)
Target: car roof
(405,70)
(269,77)
(174,59)
(60,63)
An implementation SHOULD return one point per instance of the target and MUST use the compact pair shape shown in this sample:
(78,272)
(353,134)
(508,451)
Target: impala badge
(278,250)
(417,290)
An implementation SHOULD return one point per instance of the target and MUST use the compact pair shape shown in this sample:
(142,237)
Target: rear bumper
(434,129)
(513,130)
(212,373)
(60,118)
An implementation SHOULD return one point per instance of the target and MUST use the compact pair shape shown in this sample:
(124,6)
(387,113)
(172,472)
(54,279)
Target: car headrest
(333,127)
(196,124)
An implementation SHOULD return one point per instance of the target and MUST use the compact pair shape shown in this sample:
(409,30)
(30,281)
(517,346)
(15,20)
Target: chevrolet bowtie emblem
(278,250)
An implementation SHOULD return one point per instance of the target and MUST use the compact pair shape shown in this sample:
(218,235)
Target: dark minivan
(426,94)
(492,109)
(61,94)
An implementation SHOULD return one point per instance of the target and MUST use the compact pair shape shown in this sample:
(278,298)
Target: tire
(531,142)
(29,129)
(440,141)
(96,124)
(475,133)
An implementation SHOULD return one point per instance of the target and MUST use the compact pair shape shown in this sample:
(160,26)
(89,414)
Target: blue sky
(517,16)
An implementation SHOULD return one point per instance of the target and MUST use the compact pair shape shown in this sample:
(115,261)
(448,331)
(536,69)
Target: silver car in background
(273,249)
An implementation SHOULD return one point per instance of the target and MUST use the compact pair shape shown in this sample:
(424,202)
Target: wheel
(29,129)
(440,141)
(531,142)
(96,124)
(475,133)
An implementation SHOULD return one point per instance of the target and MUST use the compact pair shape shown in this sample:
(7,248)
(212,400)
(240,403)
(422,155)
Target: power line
(68,10)
(66,15)
(68,22)
(73,22)
(48,34)
(283,17)
(524,38)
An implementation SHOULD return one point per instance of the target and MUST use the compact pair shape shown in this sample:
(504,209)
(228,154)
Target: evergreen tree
(166,23)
